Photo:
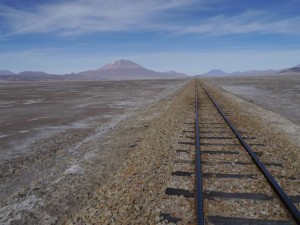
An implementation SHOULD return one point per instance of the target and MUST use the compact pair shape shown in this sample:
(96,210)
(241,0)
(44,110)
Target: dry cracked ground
(101,153)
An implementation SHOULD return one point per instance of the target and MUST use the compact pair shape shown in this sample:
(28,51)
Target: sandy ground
(56,144)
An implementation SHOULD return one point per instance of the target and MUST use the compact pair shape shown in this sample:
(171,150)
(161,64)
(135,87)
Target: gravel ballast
(136,192)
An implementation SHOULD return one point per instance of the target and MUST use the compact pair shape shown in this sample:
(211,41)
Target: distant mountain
(255,73)
(121,64)
(215,73)
(34,75)
(6,72)
(127,70)
(295,69)
(175,74)
(119,70)
(220,73)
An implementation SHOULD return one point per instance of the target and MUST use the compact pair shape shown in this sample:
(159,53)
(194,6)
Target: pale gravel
(135,194)
(280,136)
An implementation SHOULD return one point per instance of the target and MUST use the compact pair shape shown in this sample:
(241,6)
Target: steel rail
(199,196)
(277,188)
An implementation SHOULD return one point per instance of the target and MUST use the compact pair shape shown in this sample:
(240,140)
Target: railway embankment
(155,183)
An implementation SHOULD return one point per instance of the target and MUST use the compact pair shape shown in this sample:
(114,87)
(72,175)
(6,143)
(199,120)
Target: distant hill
(121,64)
(295,69)
(255,73)
(38,76)
(127,70)
(215,73)
(6,72)
(33,75)
(119,70)
(175,74)
(220,73)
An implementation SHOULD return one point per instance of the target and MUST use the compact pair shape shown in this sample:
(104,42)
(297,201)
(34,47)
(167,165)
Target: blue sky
(191,36)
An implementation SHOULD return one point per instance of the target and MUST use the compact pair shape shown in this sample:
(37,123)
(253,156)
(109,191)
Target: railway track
(227,177)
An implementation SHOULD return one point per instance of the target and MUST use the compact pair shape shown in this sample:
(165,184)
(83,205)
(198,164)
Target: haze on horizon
(190,36)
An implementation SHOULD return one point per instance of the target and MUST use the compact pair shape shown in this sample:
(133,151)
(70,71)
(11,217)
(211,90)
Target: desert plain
(279,94)
(61,140)
(55,141)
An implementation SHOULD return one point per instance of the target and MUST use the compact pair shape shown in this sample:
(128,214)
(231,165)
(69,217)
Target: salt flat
(55,144)
(279,94)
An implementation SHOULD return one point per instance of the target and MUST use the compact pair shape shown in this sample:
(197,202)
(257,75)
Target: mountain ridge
(127,70)
(6,72)
(119,70)
(221,73)
(121,63)
(295,69)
